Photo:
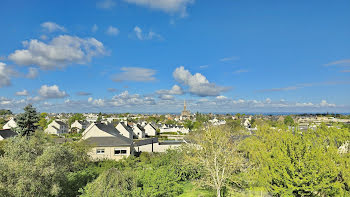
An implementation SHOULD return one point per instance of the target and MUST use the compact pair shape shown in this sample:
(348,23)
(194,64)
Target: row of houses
(108,142)
(111,142)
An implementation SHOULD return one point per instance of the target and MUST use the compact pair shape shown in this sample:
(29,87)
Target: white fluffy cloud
(168,6)
(197,83)
(112,31)
(22,93)
(221,97)
(175,90)
(52,27)
(5,75)
(135,74)
(50,92)
(58,53)
(97,102)
(126,99)
(147,36)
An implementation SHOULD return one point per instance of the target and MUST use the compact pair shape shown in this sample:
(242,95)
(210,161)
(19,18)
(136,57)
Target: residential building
(10,124)
(80,125)
(57,127)
(150,130)
(125,130)
(107,142)
(139,131)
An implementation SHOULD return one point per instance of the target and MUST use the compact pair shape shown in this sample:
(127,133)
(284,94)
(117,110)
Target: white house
(10,124)
(125,130)
(139,131)
(246,123)
(217,122)
(56,127)
(174,128)
(107,142)
(150,130)
(80,125)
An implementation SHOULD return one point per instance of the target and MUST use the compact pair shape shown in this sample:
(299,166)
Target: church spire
(184,105)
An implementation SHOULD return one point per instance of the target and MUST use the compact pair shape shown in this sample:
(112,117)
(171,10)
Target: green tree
(188,124)
(36,166)
(27,121)
(113,183)
(5,112)
(216,155)
(2,122)
(99,118)
(291,163)
(288,120)
(42,121)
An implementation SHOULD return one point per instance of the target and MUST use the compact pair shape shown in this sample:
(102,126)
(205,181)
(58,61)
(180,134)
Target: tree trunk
(218,192)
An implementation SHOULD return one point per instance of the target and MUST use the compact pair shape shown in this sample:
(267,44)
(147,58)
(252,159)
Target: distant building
(185,114)
(150,130)
(125,130)
(57,127)
(80,125)
(139,131)
(10,124)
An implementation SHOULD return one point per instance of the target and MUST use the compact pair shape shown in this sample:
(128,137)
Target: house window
(119,152)
(100,151)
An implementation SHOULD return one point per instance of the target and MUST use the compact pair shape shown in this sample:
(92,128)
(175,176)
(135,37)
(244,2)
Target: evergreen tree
(27,122)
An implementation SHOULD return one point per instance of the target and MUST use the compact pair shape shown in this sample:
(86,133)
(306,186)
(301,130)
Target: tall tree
(215,153)
(27,121)
(99,118)
(42,121)
(288,120)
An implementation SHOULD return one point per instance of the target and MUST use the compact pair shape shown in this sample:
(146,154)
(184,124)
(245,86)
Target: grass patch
(191,191)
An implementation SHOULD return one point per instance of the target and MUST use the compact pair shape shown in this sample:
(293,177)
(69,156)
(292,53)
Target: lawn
(191,191)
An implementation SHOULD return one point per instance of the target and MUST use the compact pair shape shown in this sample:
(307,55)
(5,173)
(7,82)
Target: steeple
(184,105)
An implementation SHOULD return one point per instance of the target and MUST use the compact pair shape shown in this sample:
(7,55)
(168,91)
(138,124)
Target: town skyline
(118,56)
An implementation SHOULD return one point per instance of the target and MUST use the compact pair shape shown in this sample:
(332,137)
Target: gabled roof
(151,126)
(109,141)
(7,133)
(140,127)
(126,127)
(60,123)
(107,128)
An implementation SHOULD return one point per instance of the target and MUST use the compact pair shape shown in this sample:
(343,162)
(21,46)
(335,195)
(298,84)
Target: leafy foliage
(291,163)
(215,153)
(5,112)
(288,120)
(148,175)
(36,166)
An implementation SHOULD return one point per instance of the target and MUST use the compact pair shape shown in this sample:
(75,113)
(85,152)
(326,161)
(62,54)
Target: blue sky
(150,55)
